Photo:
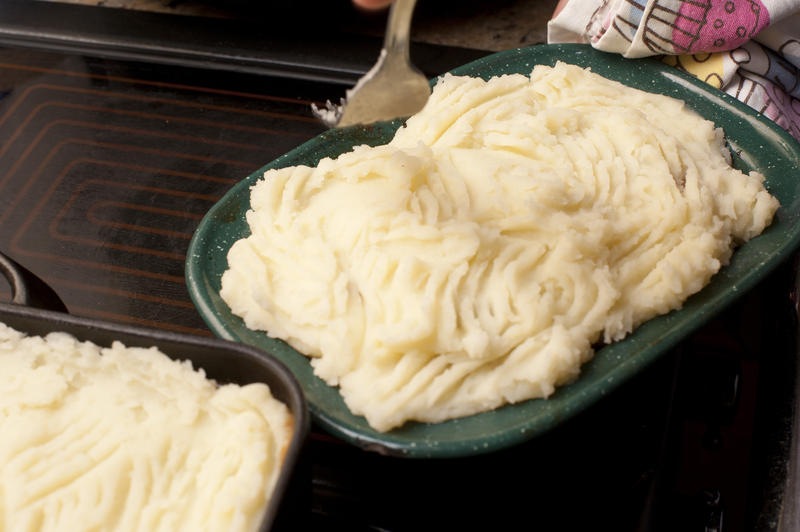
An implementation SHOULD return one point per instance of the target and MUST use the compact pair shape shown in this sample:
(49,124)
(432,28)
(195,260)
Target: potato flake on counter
(475,259)
(127,439)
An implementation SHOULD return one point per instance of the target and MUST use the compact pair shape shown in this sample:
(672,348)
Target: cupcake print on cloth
(748,48)
(705,25)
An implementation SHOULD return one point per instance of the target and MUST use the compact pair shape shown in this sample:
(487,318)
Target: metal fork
(392,88)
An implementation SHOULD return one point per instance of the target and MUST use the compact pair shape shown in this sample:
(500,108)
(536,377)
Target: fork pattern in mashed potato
(475,259)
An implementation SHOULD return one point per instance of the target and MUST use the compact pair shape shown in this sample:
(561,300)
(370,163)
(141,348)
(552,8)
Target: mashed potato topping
(126,439)
(474,260)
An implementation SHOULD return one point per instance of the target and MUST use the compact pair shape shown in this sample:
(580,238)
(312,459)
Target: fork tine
(392,88)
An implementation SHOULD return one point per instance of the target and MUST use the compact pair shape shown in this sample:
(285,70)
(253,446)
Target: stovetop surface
(107,167)
(106,170)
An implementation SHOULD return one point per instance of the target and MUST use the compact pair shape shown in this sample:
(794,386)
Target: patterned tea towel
(748,48)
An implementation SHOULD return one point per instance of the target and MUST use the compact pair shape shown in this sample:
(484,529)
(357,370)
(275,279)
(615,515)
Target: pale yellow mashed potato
(126,439)
(475,259)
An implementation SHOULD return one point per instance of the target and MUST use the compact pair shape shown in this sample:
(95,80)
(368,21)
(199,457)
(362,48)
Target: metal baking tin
(222,361)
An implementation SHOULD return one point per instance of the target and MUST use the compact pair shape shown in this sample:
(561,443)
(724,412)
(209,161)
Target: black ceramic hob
(112,150)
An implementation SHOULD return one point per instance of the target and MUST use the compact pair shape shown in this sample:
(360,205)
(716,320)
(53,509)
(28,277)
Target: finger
(372,4)
(559,7)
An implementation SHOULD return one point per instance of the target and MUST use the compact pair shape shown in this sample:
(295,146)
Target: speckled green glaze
(755,142)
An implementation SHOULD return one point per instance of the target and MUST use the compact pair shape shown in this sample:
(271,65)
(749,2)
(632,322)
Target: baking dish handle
(27,289)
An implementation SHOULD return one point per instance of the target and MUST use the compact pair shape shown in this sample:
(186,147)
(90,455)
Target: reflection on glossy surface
(106,168)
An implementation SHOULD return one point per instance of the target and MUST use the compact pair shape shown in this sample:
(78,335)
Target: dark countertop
(482,25)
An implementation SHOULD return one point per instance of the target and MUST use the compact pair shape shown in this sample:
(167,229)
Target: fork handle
(399,27)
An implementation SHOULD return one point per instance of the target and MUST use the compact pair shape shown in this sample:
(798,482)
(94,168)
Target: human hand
(371,5)
(559,7)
